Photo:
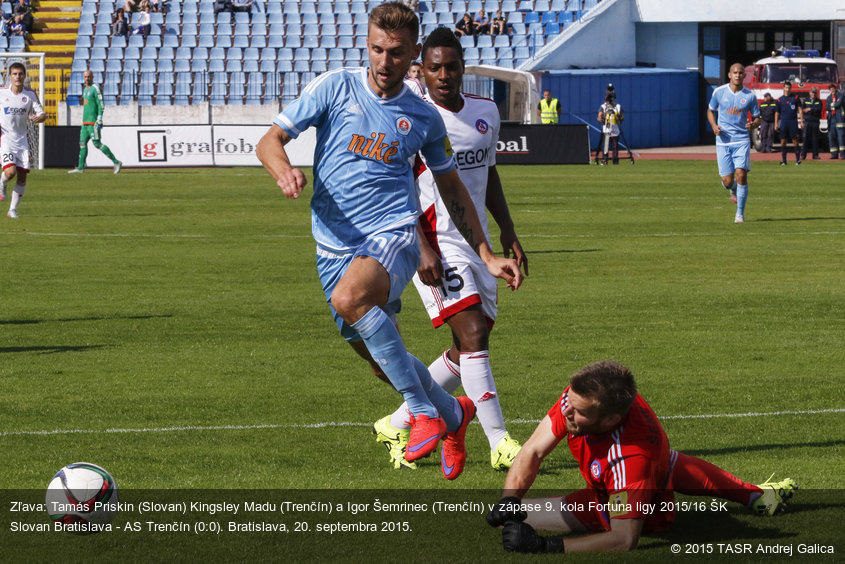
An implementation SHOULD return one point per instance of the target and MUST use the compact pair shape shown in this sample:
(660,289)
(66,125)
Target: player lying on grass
(455,286)
(624,455)
(364,212)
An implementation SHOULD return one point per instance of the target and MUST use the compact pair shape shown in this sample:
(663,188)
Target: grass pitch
(169,326)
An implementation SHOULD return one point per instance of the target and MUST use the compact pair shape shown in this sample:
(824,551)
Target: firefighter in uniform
(812,116)
(548,109)
(836,122)
(768,107)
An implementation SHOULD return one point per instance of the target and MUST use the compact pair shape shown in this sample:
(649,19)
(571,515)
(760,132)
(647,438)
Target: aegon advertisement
(234,145)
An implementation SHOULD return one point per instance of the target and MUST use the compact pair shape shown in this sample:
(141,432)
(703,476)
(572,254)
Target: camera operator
(610,116)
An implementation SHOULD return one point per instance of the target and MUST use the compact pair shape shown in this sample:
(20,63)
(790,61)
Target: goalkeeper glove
(521,537)
(508,509)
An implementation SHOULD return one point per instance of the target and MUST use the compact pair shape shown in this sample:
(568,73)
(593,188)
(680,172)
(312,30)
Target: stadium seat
(216,65)
(284,66)
(502,41)
(224,41)
(199,65)
(484,41)
(205,41)
(548,17)
(241,41)
(267,66)
(258,41)
(301,66)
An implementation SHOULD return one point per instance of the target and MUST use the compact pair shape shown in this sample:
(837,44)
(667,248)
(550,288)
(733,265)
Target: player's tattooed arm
(458,214)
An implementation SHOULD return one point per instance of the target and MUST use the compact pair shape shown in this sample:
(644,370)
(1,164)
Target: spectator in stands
(157,6)
(18,29)
(144,20)
(481,24)
(6,26)
(464,27)
(118,26)
(239,6)
(132,6)
(499,25)
(23,9)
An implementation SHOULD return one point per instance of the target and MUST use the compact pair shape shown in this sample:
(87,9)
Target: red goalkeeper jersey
(628,468)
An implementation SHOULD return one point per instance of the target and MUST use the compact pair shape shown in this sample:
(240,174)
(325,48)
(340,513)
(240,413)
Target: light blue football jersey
(733,111)
(363,183)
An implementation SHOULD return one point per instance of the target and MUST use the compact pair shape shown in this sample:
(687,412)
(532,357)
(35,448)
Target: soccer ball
(82,498)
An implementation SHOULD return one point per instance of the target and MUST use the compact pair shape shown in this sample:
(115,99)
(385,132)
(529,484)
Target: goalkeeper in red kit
(631,473)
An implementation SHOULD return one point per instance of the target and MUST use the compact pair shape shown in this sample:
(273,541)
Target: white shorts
(465,283)
(14,156)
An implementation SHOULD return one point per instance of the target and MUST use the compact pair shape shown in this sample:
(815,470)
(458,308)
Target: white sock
(17,193)
(444,372)
(477,379)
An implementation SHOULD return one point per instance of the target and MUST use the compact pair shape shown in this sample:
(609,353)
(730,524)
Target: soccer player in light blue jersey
(733,102)
(364,212)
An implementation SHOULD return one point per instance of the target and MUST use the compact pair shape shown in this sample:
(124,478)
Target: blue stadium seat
(182,65)
(199,65)
(216,65)
(328,42)
(114,65)
(532,17)
(345,42)
(484,41)
(250,66)
(284,66)
(502,41)
(258,41)
(301,66)
(267,66)
(241,29)
(101,41)
(548,17)
(467,41)
(205,41)
(311,41)
(97,53)
(241,41)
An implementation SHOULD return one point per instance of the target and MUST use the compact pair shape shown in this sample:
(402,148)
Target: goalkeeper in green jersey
(92,124)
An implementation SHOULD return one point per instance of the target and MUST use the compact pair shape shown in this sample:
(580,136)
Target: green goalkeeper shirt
(92,108)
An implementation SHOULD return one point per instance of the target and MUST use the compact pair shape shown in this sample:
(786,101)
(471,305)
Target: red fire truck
(805,69)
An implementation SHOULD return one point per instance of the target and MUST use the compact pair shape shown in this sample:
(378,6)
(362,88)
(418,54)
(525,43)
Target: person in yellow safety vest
(548,109)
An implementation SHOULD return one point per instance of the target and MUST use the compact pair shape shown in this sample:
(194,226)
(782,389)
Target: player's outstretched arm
(498,206)
(271,152)
(527,463)
(465,216)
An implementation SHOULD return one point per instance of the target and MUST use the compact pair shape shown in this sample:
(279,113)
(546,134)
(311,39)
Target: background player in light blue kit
(732,102)
(364,213)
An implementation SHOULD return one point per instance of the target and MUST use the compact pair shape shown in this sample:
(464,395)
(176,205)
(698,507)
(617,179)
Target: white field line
(150,235)
(524,236)
(353,424)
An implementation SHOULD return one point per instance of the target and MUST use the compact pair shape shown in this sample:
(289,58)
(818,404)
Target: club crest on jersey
(403,125)
(742,101)
(373,147)
(595,469)
(481,126)
(24,99)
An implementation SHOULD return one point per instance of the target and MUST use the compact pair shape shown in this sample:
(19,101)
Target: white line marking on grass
(151,235)
(354,424)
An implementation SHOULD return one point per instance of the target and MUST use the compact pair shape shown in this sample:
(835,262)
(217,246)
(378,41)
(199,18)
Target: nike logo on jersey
(355,109)
(374,147)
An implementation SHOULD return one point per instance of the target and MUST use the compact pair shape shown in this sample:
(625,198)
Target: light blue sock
(387,349)
(448,407)
(741,196)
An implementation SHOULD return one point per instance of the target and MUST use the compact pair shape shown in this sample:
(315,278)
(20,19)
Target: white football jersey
(15,110)
(473,133)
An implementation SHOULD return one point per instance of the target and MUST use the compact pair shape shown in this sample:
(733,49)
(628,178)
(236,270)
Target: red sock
(694,476)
